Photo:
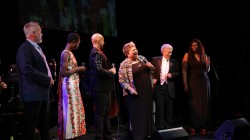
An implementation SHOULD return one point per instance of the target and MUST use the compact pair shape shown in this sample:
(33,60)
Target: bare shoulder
(185,57)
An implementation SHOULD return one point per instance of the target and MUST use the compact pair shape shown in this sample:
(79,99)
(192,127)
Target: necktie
(45,61)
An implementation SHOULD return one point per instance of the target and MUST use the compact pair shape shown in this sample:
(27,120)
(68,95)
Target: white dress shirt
(164,70)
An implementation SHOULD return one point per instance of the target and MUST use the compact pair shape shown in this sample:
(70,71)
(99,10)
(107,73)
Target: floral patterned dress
(71,114)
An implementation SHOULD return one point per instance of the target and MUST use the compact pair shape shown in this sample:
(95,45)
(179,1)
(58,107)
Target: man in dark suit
(34,83)
(164,76)
(101,85)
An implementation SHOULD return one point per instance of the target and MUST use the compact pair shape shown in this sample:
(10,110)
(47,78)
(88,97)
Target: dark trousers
(37,115)
(102,120)
(163,107)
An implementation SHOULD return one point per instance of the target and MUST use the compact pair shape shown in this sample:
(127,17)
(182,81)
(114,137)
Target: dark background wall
(223,27)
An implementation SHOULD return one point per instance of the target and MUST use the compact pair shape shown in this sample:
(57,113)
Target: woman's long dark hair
(200,50)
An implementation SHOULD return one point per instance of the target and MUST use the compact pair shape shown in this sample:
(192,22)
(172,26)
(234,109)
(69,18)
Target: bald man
(101,87)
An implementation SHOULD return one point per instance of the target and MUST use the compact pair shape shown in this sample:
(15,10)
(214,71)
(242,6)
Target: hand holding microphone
(150,65)
(208,60)
(146,62)
(113,69)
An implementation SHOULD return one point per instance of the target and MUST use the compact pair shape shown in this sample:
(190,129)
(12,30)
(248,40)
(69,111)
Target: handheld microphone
(142,60)
(83,64)
(113,66)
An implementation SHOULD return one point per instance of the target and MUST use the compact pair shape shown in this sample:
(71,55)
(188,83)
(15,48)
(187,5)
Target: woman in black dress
(134,77)
(195,66)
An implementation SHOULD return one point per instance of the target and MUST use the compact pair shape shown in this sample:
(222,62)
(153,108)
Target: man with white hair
(164,76)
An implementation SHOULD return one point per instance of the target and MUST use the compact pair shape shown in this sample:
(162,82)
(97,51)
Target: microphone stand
(216,76)
(217,81)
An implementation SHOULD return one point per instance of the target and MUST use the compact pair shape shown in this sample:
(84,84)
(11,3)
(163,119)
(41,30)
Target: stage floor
(11,125)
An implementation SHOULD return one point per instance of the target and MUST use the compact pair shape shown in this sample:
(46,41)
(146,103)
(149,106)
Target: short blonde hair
(127,46)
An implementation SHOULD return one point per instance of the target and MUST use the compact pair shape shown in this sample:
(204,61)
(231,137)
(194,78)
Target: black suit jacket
(173,69)
(101,80)
(34,82)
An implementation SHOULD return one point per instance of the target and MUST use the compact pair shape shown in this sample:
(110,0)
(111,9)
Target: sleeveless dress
(199,93)
(71,113)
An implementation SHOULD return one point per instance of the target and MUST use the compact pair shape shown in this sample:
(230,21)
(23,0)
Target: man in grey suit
(164,76)
(34,83)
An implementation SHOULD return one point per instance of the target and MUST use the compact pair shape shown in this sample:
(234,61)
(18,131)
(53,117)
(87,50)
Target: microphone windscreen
(53,60)
(83,64)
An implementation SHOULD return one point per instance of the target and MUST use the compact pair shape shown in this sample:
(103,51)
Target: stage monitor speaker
(177,133)
(237,129)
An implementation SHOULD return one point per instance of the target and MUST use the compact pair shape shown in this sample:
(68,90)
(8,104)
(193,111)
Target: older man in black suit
(166,71)
(35,82)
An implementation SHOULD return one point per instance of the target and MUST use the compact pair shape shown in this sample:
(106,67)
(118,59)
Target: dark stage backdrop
(223,27)
(85,16)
